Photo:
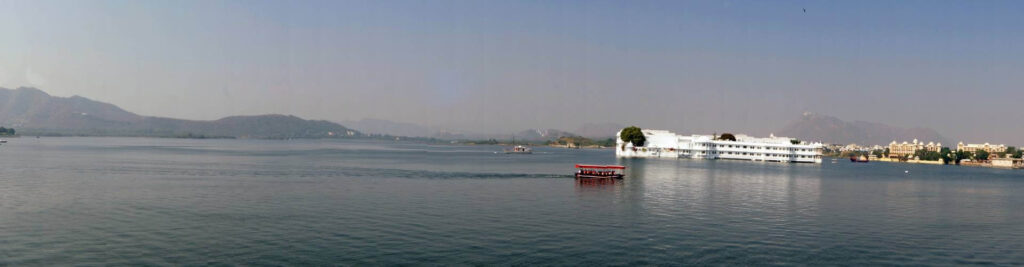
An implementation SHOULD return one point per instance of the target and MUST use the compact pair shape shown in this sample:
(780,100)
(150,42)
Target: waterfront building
(898,150)
(986,147)
(1008,163)
(666,144)
(854,148)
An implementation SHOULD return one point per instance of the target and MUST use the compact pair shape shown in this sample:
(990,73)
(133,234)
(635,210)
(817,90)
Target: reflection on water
(772,190)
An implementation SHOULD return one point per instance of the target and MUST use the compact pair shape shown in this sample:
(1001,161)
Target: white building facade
(665,144)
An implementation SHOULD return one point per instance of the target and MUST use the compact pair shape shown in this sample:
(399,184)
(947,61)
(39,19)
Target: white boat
(519,149)
(665,144)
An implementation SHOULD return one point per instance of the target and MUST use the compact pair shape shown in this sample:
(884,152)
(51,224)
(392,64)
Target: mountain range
(386,127)
(828,129)
(34,112)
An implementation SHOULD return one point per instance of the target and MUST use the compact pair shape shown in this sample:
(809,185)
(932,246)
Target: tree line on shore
(7,131)
(946,155)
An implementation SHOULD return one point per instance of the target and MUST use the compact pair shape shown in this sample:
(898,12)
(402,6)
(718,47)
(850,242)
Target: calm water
(165,201)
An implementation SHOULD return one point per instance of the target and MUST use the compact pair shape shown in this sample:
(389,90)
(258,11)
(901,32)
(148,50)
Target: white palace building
(665,144)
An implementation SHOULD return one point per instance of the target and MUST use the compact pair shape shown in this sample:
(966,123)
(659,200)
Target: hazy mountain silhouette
(32,111)
(386,127)
(542,134)
(815,127)
(599,130)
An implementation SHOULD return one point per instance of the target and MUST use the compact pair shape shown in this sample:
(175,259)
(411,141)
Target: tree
(794,141)
(847,154)
(981,155)
(727,136)
(962,155)
(922,154)
(886,152)
(1012,151)
(946,154)
(877,153)
(919,154)
(634,135)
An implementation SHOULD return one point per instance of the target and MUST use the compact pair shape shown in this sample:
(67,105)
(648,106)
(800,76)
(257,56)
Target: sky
(493,66)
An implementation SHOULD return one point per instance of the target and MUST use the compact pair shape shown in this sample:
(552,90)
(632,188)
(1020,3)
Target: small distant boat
(519,150)
(859,159)
(584,171)
(2,141)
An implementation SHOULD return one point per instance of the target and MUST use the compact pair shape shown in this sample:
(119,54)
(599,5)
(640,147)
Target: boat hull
(587,176)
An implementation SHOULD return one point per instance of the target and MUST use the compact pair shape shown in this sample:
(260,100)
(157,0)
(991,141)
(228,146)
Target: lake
(142,201)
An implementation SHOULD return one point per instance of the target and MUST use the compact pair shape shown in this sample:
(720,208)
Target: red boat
(598,171)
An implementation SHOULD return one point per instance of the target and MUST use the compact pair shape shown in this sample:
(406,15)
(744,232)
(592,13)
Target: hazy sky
(700,66)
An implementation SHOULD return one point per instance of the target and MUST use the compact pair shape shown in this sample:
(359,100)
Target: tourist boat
(858,159)
(598,171)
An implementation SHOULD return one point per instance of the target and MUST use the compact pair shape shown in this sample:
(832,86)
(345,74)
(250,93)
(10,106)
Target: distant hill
(599,130)
(386,127)
(815,127)
(542,134)
(33,112)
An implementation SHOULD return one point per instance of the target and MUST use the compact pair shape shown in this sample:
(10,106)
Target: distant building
(854,147)
(897,150)
(665,144)
(1008,163)
(986,146)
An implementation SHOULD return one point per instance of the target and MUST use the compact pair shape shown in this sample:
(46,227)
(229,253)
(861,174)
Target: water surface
(313,202)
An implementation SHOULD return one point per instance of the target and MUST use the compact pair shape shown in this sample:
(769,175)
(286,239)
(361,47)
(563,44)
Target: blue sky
(691,66)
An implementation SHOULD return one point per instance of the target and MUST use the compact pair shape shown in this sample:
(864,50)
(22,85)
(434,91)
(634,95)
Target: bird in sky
(805,10)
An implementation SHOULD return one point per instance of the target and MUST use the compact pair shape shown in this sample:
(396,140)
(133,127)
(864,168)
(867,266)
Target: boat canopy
(583,166)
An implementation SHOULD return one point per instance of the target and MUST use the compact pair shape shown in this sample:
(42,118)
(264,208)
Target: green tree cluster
(579,141)
(878,153)
(633,134)
(922,154)
(1014,152)
(962,155)
(7,131)
(847,154)
(981,155)
(947,155)
(727,137)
